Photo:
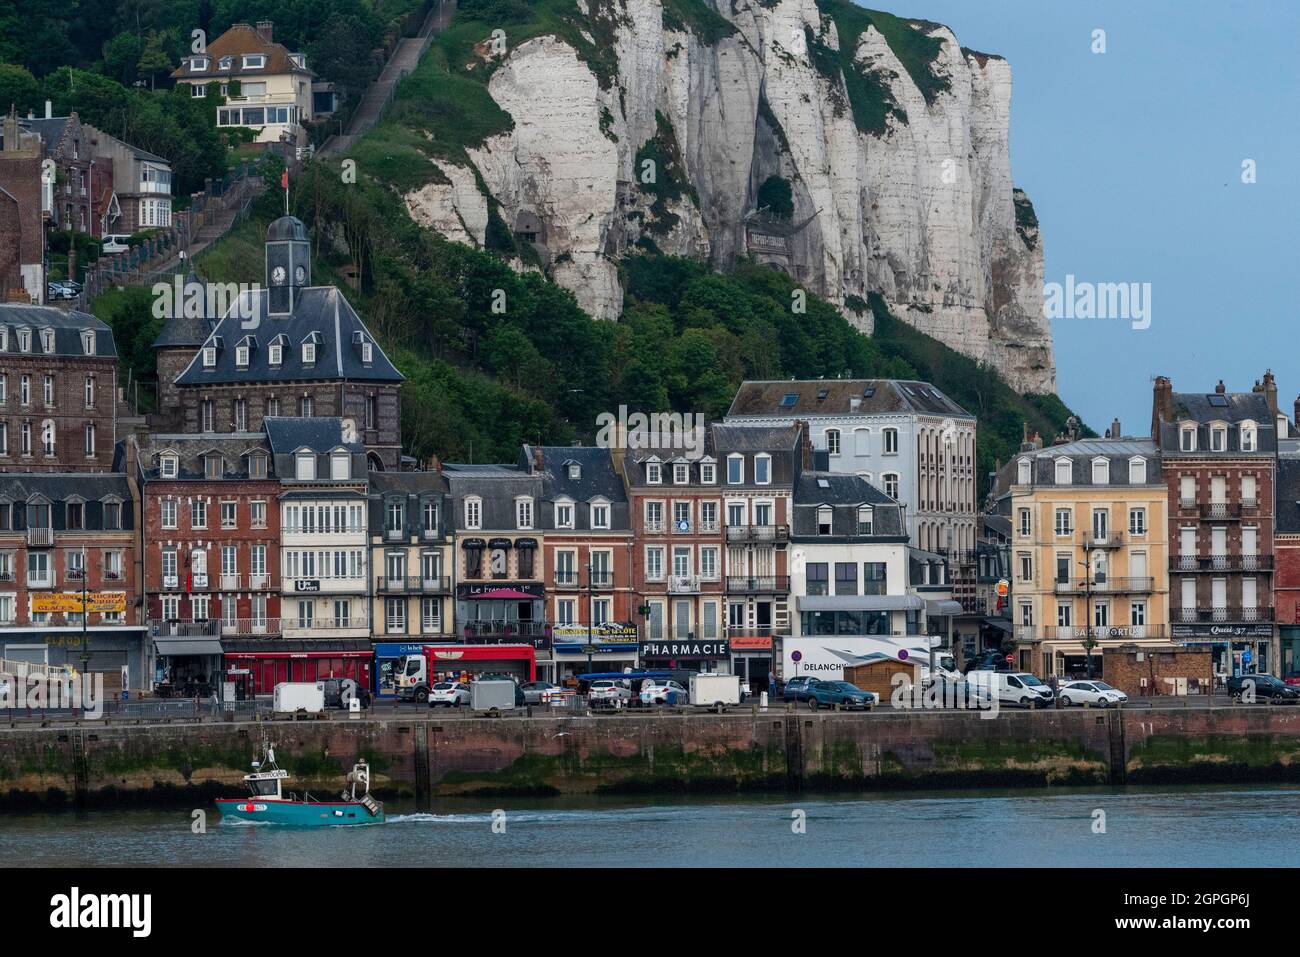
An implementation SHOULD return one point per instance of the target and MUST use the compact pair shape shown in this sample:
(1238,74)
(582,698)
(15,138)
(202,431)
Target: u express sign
(716,648)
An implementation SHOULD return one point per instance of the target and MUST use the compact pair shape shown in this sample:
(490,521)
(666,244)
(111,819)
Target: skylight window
(1220,401)
(789,399)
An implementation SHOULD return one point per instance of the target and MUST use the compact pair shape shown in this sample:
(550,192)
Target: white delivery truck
(292,697)
(492,696)
(716,691)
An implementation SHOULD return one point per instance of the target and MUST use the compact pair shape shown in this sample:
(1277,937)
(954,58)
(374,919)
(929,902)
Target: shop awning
(860,603)
(187,646)
(1000,623)
(500,543)
(943,606)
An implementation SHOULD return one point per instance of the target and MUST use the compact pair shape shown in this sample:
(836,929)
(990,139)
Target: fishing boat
(268,803)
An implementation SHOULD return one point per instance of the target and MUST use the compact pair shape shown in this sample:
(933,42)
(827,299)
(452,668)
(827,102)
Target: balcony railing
(1106,540)
(167,628)
(1109,585)
(1214,615)
(412,585)
(1220,510)
(1221,563)
(234,627)
(654,528)
(40,536)
(758,583)
(505,628)
(758,533)
(323,626)
(683,584)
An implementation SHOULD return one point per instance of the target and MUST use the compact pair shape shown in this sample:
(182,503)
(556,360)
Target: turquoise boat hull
(298,813)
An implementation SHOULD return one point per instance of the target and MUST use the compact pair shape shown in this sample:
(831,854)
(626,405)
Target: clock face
(277,275)
(300,275)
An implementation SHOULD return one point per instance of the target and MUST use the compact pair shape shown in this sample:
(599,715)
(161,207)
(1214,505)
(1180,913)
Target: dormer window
(563,514)
(763,469)
(88,342)
(1187,438)
(257,466)
(681,473)
(4,338)
(275,351)
(1064,471)
(24,340)
(653,473)
(209,357)
(254,61)
(1024,472)
(523,512)
(213,467)
(824,516)
(305,466)
(1101,471)
(1218,437)
(1249,434)
(47,340)
(340,465)
(367,352)
(600,515)
(575,471)
(865,520)
(735,469)
(1137,471)
(225,63)
(241,356)
(198,64)
(168,466)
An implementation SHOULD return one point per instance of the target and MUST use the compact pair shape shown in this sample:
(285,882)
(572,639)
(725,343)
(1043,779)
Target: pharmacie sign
(715,648)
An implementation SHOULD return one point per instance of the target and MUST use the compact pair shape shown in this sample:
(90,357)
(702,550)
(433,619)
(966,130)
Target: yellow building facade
(1089,554)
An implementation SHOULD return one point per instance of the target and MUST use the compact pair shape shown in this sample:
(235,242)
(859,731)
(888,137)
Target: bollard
(762,700)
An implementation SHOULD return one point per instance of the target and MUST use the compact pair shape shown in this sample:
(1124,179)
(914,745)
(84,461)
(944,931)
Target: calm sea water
(1211,826)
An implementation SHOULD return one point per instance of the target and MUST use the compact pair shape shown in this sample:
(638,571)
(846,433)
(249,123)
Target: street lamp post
(1088,641)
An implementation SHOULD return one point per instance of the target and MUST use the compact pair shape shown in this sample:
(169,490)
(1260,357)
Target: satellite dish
(349,430)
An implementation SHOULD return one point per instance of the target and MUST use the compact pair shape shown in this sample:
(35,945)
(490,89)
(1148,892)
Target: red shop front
(271,662)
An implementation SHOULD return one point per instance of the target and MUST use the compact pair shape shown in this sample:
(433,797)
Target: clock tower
(288,264)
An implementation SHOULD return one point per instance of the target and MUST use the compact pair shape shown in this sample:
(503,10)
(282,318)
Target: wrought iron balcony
(758,533)
(758,583)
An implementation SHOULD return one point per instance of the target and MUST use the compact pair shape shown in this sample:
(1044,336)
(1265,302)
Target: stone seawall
(424,758)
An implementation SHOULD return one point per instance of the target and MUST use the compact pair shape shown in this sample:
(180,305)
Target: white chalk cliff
(914,202)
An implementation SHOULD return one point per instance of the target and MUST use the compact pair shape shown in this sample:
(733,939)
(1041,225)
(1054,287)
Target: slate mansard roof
(1229,408)
(192,451)
(1119,454)
(844,493)
(321,313)
(287,435)
(67,327)
(802,398)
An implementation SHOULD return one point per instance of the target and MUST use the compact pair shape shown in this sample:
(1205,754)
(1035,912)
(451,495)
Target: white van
(116,243)
(1014,688)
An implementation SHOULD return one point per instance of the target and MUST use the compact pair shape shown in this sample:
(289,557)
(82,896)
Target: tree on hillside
(154,58)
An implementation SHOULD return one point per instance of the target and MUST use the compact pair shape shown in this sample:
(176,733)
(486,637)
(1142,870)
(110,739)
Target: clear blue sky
(1133,161)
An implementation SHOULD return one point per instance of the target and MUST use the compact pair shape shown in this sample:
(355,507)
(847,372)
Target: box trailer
(492,695)
(716,691)
(294,696)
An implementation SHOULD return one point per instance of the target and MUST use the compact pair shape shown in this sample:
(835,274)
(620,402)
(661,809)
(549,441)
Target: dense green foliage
(776,197)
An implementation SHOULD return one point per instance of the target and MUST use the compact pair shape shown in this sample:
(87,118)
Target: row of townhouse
(1188,539)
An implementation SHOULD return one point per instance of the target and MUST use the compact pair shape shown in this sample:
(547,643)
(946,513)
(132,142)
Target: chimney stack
(806,448)
(1162,404)
(1220,389)
(265,28)
(1270,392)
(537,459)
(1297,413)
(1115,431)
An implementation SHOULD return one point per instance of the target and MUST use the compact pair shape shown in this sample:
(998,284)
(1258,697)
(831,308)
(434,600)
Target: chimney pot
(1220,389)
(1115,432)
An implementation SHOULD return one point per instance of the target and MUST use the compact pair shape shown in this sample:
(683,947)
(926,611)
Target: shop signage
(475,589)
(610,632)
(306,584)
(715,648)
(106,601)
(751,642)
(1221,632)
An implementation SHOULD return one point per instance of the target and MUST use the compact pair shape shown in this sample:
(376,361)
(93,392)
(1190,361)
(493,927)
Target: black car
(339,690)
(1262,687)
(987,661)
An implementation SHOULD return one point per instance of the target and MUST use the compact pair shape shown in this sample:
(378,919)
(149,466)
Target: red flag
(284,180)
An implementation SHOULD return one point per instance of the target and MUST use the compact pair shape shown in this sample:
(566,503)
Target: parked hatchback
(841,694)
(536,692)
(663,692)
(1098,694)
(450,694)
(796,689)
(607,691)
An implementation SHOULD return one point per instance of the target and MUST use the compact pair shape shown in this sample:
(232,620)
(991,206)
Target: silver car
(535,692)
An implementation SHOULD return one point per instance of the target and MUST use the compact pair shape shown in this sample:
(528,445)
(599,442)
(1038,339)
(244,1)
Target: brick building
(82,197)
(675,498)
(1286,550)
(212,555)
(587,559)
(58,386)
(67,535)
(292,349)
(1219,453)
(22,228)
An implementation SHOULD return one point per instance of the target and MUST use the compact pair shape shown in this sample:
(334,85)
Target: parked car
(1292,677)
(1265,687)
(663,692)
(607,691)
(961,693)
(1095,693)
(1014,688)
(536,692)
(987,661)
(116,243)
(829,694)
(60,290)
(451,694)
(339,691)
(796,689)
